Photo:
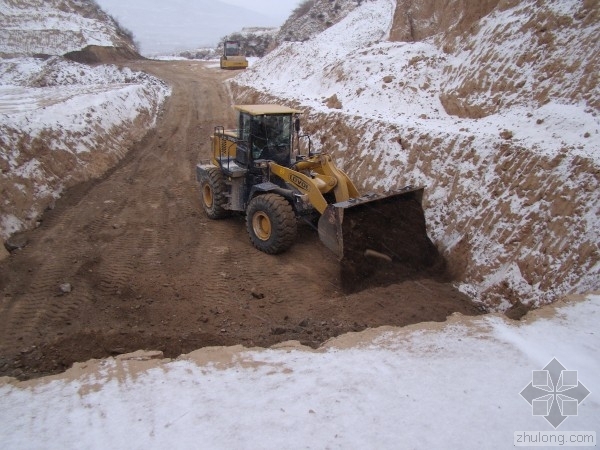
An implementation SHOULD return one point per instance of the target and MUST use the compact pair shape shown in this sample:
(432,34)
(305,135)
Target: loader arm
(307,185)
(390,226)
(317,176)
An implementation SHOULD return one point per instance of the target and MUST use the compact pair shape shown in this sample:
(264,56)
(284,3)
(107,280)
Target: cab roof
(259,110)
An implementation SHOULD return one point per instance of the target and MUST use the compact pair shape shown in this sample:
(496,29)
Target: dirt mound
(387,242)
(94,54)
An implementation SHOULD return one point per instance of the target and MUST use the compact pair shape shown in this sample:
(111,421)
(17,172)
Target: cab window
(244,127)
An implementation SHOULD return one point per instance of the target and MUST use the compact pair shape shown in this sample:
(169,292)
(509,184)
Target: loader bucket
(379,239)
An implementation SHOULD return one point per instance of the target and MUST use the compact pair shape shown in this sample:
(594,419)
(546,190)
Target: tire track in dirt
(149,270)
(101,225)
(47,306)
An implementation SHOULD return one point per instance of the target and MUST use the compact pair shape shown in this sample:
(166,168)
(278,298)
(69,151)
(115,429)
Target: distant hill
(56,27)
(311,17)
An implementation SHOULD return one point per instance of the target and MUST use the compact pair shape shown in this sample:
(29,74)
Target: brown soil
(130,261)
(94,54)
(385,242)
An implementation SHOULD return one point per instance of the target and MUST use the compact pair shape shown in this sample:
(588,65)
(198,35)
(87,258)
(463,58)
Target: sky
(279,9)
(167,27)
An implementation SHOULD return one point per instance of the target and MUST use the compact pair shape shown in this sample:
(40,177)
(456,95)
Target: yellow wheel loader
(258,169)
(232,57)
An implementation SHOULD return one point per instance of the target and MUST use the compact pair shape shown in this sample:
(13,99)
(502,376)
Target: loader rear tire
(271,223)
(213,194)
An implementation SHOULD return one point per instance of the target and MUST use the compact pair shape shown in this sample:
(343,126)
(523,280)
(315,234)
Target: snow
(350,60)
(392,90)
(452,385)
(43,27)
(73,107)
(10,223)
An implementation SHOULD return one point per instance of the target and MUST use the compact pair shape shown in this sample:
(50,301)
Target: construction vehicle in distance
(258,169)
(232,57)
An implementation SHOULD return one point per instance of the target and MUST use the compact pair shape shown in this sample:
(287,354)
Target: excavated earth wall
(507,158)
(512,223)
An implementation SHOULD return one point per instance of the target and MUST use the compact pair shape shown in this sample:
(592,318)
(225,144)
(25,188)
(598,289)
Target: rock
(65,288)
(16,242)
(517,311)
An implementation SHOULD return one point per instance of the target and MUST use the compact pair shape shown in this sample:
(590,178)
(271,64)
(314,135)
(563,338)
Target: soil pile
(94,54)
(385,242)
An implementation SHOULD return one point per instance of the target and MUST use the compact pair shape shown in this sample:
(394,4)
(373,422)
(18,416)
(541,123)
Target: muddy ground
(131,262)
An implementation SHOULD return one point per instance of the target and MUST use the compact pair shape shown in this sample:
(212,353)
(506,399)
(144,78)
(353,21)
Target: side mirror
(297,124)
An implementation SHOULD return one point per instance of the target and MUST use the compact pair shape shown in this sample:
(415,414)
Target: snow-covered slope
(311,18)
(528,55)
(510,168)
(428,386)
(55,27)
(62,122)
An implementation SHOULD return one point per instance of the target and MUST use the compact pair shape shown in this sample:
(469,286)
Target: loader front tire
(213,193)
(271,223)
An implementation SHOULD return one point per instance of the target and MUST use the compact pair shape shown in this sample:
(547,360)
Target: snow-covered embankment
(62,123)
(512,183)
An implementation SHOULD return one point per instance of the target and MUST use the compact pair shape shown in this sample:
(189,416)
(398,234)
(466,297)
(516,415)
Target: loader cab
(265,132)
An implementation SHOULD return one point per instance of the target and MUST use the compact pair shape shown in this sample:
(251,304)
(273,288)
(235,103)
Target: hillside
(61,122)
(493,107)
(312,17)
(56,27)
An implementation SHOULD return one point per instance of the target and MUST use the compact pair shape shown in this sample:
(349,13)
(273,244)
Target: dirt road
(147,270)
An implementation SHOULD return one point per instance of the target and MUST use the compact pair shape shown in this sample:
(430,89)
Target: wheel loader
(232,57)
(259,170)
